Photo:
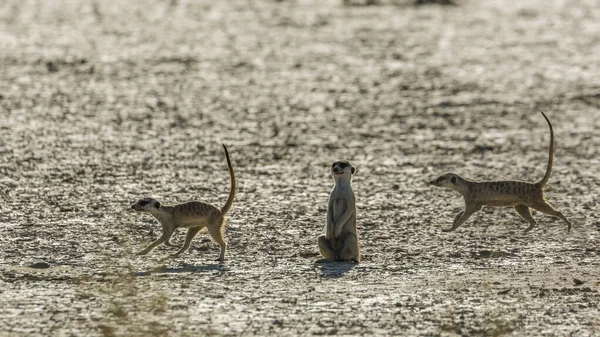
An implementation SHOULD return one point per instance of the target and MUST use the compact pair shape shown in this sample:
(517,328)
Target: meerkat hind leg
(525,213)
(325,247)
(216,233)
(191,233)
(544,207)
(349,251)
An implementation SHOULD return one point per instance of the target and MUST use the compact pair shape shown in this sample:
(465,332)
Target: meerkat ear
(453,180)
(353,170)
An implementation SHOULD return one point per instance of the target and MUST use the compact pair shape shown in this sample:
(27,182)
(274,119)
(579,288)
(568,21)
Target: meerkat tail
(229,202)
(546,177)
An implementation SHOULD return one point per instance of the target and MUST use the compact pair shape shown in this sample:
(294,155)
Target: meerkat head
(342,169)
(449,180)
(147,205)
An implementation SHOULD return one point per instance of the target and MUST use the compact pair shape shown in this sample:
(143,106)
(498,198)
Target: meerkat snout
(436,181)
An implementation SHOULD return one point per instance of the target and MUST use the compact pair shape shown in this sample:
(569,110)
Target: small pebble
(40,265)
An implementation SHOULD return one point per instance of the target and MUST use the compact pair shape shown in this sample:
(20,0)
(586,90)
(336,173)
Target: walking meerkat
(340,241)
(518,194)
(192,215)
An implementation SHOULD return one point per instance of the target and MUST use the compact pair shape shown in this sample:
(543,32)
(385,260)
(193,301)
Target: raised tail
(546,177)
(229,202)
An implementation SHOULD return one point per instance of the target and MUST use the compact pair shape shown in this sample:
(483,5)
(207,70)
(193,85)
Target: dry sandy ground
(104,102)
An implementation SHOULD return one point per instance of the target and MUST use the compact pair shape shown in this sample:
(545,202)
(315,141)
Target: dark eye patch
(143,203)
(453,180)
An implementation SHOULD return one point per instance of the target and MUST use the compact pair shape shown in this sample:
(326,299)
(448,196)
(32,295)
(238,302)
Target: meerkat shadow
(185,268)
(333,269)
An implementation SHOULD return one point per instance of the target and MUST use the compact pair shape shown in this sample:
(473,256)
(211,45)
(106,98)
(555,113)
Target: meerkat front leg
(469,210)
(342,221)
(167,243)
(164,237)
(191,233)
(330,229)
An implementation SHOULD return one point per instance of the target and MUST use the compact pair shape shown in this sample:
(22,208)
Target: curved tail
(229,202)
(546,177)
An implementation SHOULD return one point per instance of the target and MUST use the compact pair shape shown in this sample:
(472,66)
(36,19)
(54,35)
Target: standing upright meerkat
(192,215)
(511,193)
(340,241)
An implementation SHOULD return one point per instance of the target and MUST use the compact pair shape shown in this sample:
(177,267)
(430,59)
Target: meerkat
(193,215)
(521,195)
(340,241)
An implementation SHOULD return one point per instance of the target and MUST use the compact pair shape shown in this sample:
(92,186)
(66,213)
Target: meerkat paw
(528,229)
(458,215)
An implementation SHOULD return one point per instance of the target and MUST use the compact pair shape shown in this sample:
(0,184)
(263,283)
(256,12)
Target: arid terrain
(105,102)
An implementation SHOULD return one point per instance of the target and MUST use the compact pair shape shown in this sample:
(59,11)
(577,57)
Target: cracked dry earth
(106,102)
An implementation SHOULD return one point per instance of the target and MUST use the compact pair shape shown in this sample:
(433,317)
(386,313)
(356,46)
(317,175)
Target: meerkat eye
(143,202)
(157,205)
(453,180)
